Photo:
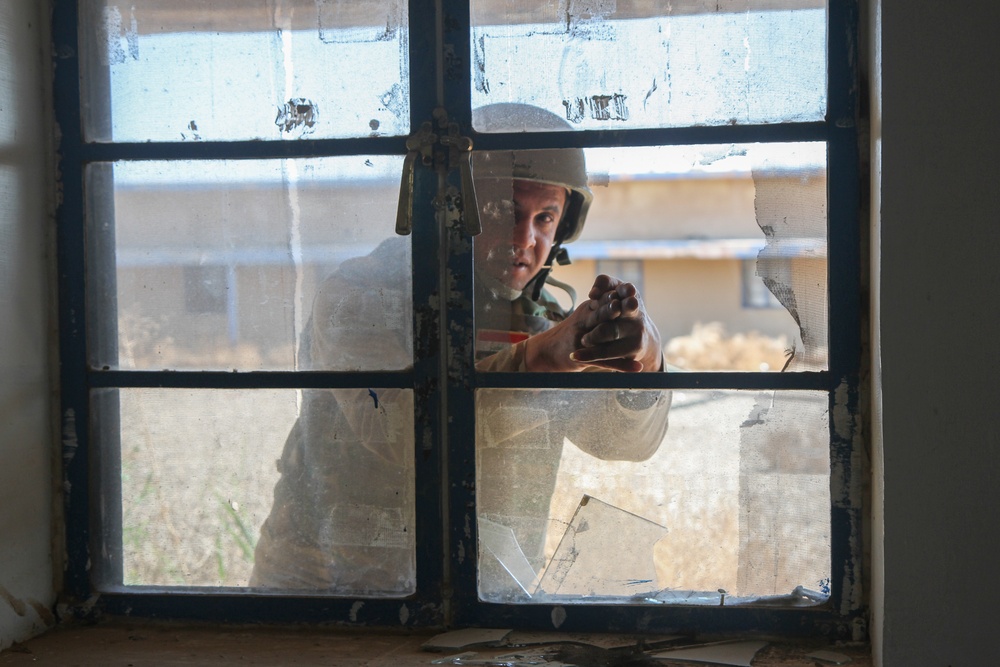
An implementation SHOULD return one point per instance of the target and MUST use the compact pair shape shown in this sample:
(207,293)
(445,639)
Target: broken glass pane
(248,265)
(197,470)
(185,70)
(729,504)
(579,566)
(606,65)
(726,245)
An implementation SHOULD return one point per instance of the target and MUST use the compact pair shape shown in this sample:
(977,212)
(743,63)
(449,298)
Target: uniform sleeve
(620,425)
(509,360)
(608,424)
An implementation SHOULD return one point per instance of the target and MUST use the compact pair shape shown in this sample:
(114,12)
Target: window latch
(443,150)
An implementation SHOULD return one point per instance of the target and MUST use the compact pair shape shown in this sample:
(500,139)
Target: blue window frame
(443,373)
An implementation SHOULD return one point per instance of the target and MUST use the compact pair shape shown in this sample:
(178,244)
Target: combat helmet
(565,167)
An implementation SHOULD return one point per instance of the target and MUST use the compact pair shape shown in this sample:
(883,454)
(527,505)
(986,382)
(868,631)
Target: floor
(146,644)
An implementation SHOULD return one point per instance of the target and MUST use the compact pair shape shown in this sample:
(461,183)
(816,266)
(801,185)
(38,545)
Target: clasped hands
(609,330)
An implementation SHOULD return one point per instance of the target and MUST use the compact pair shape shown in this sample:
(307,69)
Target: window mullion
(845,219)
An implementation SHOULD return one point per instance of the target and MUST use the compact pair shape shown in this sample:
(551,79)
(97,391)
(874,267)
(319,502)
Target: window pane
(681,223)
(606,65)
(587,496)
(185,70)
(249,265)
(197,468)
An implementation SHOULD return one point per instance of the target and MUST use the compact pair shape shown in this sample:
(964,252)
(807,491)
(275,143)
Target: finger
(630,306)
(625,290)
(617,338)
(605,313)
(622,364)
(603,284)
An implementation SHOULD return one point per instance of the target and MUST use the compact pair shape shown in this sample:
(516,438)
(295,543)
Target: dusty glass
(632,63)
(590,496)
(219,71)
(698,230)
(192,489)
(248,265)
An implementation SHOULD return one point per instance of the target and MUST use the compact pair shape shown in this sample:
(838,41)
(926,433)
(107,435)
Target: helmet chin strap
(557,255)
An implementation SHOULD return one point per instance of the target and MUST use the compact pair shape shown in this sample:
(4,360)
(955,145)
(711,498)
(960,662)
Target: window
(205,289)
(755,292)
(262,285)
(629,270)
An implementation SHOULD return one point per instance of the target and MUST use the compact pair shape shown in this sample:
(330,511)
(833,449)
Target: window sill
(126,643)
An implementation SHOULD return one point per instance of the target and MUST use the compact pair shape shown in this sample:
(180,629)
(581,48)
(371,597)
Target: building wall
(682,293)
(27,592)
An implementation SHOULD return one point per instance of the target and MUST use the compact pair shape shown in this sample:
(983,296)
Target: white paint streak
(132,36)
(69,441)
(843,422)
(355,608)
(290,175)
(846,429)
(404,614)
(558,617)
(112,21)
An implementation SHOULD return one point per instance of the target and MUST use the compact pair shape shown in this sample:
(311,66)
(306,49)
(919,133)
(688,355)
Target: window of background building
(205,289)
(754,291)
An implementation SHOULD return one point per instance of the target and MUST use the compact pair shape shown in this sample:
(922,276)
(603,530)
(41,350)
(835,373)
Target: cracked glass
(722,496)
(589,496)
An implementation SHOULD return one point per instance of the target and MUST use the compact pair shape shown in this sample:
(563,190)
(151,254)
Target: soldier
(342,519)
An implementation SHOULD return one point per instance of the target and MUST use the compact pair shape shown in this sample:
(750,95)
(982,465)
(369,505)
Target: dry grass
(709,348)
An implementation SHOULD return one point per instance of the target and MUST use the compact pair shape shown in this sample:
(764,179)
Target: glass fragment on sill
(738,653)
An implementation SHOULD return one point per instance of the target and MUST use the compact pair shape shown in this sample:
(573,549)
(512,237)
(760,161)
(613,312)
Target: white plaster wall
(26,574)
(940,333)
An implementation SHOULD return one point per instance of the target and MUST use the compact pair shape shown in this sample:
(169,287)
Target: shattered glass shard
(500,541)
(604,551)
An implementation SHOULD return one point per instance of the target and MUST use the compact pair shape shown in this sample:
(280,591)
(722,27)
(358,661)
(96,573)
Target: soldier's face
(519,220)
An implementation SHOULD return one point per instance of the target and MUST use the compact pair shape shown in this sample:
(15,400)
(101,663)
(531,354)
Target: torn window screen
(627,63)
(739,484)
(687,219)
(731,507)
(228,68)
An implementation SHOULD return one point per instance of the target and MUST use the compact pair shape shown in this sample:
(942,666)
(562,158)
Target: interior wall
(26,496)
(940,271)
